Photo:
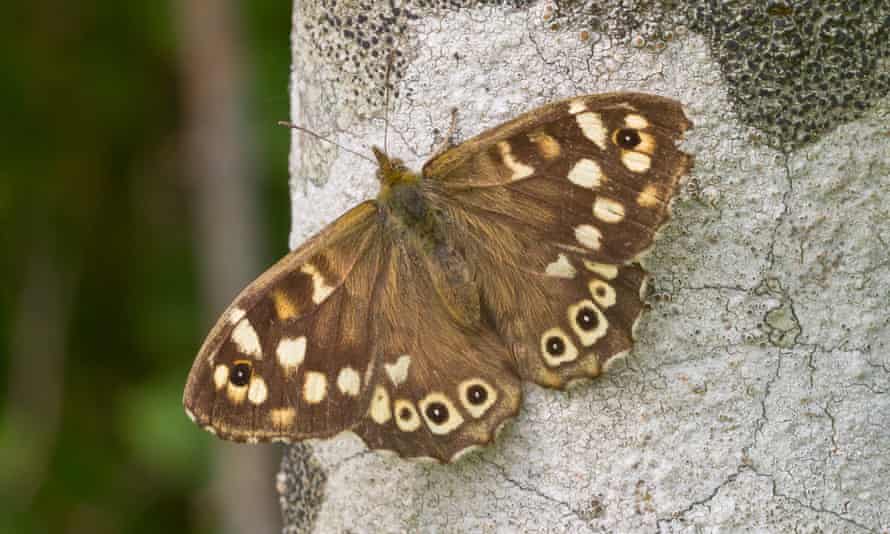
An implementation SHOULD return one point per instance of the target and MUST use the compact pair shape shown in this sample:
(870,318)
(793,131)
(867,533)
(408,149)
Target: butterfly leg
(448,140)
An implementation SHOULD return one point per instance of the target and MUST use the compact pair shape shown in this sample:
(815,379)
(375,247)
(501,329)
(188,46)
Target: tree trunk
(221,163)
(758,394)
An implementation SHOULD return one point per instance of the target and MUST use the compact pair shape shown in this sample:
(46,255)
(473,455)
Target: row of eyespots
(436,409)
(587,321)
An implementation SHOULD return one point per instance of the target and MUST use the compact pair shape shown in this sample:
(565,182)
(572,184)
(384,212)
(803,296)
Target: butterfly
(414,318)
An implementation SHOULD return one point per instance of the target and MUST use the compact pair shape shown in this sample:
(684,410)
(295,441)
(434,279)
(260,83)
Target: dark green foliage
(94,190)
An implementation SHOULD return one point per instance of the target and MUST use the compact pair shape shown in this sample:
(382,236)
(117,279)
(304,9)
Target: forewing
(290,358)
(552,209)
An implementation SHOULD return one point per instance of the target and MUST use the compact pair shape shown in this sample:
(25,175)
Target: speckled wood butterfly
(413,319)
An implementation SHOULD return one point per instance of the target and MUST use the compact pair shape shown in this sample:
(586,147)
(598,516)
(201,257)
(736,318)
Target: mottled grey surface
(300,486)
(758,396)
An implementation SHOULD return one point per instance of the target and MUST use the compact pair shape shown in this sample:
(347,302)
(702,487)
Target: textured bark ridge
(758,395)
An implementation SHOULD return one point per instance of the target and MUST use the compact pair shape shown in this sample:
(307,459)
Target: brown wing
(440,388)
(551,210)
(352,332)
(290,358)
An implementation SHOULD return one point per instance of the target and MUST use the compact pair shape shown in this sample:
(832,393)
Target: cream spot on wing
(466,451)
(236,394)
(221,376)
(609,272)
(253,440)
(398,371)
(635,161)
(406,415)
(602,293)
(291,352)
(648,197)
(608,210)
(577,106)
(282,417)
(615,358)
(257,392)
(560,268)
(285,308)
(315,387)
(349,382)
(636,121)
(519,169)
(477,396)
(190,415)
(591,125)
(320,290)
(588,322)
(647,144)
(548,378)
(557,347)
(547,146)
(246,339)
(380,411)
(591,364)
(437,405)
(586,173)
(589,236)
(236,315)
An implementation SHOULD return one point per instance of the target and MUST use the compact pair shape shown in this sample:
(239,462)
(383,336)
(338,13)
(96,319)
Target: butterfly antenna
(386,101)
(315,135)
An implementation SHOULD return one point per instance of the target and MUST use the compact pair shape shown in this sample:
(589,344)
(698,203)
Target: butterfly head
(392,172)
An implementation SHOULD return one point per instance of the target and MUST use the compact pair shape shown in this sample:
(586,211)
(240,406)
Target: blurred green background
(114,116)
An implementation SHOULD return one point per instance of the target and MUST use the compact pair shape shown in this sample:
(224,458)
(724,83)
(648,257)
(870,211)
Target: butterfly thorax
(403,203)
(408,213)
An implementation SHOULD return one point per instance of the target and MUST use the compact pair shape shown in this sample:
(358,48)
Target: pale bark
(757,396)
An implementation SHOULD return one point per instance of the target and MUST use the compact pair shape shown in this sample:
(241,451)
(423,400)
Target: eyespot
(240,375)
(440,414)
(588,322)
(602,293)
(557,348)
(407,418)
(437,412)
(477,396)
(586,319)
(627,138)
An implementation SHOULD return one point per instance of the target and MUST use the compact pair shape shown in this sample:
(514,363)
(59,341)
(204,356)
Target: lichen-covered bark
(758,396)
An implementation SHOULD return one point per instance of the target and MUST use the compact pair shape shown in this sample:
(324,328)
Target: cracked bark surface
(757,395)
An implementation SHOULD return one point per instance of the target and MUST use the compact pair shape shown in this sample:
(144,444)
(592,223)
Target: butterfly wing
(443,385)
(290,358)
(350,332)
(553,208)
(420,349)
